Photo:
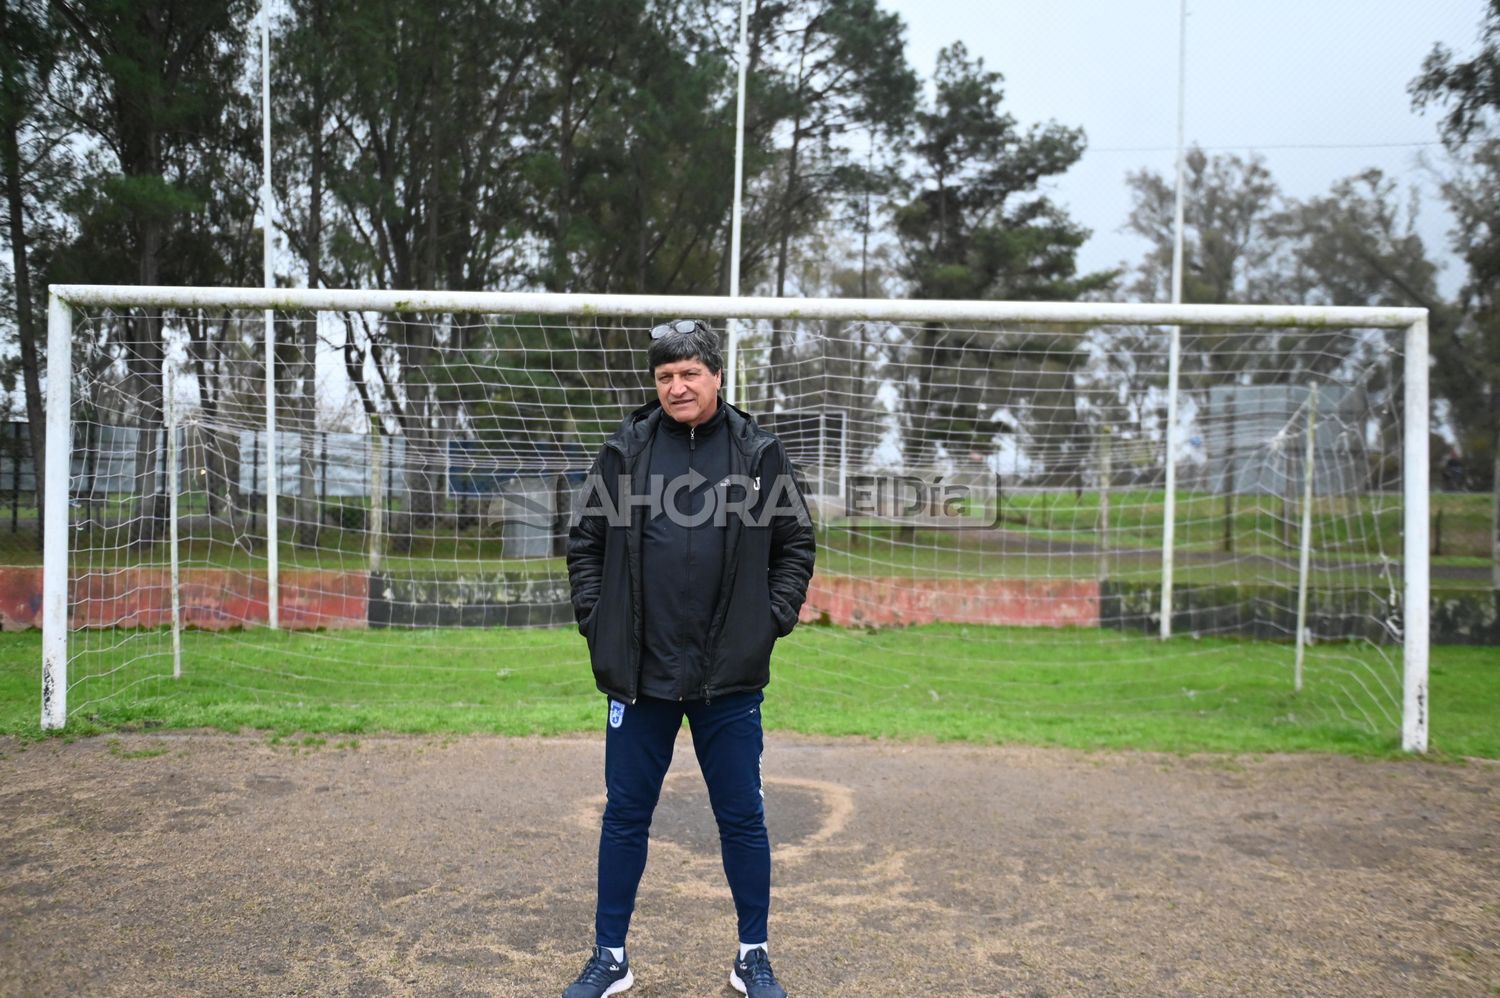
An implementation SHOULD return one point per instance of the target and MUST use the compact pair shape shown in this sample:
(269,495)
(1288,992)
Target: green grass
(1088,689)
(1351,535)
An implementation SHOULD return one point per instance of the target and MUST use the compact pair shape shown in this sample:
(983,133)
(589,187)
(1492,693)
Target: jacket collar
(637,429)
(710,425)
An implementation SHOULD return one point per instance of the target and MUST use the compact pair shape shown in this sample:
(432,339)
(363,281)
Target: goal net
(358,502)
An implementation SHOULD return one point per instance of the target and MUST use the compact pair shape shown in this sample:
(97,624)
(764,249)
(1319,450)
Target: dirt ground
(206,864)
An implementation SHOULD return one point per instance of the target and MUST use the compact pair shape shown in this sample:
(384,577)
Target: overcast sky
(1318,87)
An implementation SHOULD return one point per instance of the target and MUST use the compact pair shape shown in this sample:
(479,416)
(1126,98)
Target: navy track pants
(637,751)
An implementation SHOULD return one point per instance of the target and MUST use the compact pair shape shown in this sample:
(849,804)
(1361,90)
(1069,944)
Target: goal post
(1416,581)
(55,539)
(915,361)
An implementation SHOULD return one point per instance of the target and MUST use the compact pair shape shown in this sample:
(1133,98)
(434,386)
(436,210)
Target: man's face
(688,392)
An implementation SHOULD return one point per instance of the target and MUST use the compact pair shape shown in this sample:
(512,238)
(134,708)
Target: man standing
(690,556)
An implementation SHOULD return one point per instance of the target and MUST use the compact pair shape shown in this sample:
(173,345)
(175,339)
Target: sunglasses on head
(677,326)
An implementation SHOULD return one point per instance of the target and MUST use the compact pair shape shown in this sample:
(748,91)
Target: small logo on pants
(616,713)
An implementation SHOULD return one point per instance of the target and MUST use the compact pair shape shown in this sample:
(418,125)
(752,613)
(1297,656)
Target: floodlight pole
(1177,211)
(1174,356)
(273,567)
(743,55)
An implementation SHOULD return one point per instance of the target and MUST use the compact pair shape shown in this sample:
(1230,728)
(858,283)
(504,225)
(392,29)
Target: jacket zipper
(713,651)
(754,456)
(692,446)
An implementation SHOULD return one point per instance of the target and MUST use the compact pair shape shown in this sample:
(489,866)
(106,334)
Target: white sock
(617,952)
(747,947)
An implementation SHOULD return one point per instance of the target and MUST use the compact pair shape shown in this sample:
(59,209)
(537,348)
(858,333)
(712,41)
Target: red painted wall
(212,598)
(853,601)
(216,599)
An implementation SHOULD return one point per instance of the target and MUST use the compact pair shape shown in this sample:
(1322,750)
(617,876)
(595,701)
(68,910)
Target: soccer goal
(338,500)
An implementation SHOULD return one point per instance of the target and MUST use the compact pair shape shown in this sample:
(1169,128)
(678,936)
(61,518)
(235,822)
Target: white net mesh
(1002,484)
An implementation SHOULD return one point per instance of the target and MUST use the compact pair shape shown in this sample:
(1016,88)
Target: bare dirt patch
(207,864)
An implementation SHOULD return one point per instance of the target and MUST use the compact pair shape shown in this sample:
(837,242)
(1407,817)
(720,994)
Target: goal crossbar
(1412,321)
(720,307)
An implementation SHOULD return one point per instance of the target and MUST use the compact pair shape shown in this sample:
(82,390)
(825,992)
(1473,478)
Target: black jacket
(683,554)
(767,563)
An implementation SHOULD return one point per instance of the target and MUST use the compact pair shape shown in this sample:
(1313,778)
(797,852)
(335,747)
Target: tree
(1231,252)
(976,227)
(420,129)
(632,179)
(305,81)
(1229,247)
(29,157)
(1357,245)
(158,95)
(846,70)
(1469,91)
(841,68)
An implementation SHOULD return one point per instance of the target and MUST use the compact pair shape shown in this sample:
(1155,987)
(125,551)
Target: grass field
(1054,534)
(1079,688)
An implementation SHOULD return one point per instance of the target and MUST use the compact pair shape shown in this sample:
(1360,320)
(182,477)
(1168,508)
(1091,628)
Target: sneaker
(602,975)
(752,976)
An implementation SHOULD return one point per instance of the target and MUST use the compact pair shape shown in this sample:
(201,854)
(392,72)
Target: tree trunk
(560,279)
(307,516)
(146,360)
(222,472)
(1495,514)
(780,361)
(36,417)
(309,506)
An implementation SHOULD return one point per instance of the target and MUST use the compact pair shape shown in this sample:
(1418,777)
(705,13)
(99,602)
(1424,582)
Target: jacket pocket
(781,619)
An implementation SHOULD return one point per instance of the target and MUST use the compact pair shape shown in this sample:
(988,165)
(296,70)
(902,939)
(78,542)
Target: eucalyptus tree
(1468,91)
(161,108)
(36,166)
(976,226)
(1232,252)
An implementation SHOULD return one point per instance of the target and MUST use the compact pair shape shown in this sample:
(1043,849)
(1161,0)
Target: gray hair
(699,343)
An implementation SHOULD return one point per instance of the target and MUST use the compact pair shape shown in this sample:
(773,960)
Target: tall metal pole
(1304,566)
(1174,357)
(59,459)
(743,55)
(1181,153)
(377,495)
(273,567)
(1414,606)
(169,388)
